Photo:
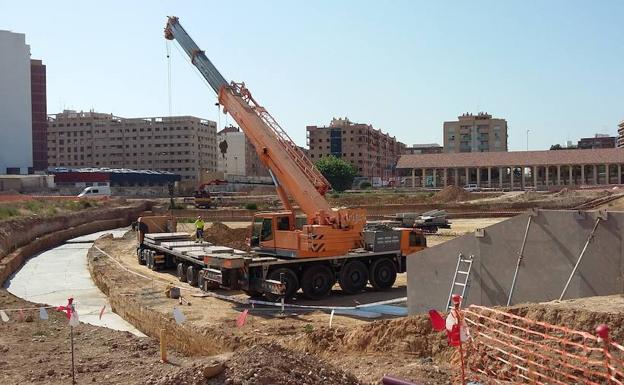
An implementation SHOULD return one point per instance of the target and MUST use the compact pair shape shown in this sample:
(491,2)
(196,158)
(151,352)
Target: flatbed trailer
(208,266)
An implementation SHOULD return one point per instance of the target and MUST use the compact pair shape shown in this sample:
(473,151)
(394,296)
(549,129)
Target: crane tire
(382,273)
(353,277)
(317,281)
(290,279)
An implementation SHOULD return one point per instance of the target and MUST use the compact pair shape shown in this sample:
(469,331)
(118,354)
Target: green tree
(338,172)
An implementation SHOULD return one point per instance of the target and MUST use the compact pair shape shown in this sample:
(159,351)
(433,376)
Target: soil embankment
(20,238)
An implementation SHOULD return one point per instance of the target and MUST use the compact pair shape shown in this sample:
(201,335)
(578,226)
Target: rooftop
(513,158)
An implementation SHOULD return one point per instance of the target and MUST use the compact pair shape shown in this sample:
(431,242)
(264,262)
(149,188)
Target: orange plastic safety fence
(506,348)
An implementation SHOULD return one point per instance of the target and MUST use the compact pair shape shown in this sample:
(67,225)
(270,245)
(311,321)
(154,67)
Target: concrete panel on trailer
(167,236)
(554,243)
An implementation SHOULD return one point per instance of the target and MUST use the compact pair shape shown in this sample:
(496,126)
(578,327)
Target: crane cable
(168,49)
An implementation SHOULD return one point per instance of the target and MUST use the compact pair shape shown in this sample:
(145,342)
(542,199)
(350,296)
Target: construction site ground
(297,345)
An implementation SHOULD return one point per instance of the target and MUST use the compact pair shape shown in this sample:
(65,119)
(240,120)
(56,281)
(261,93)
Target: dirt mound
(223,235)
(411,334)
(453,194)
(265,364)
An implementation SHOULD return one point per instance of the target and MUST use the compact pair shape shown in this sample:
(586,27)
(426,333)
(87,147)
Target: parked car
(471,187)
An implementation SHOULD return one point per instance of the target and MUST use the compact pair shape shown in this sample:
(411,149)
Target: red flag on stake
(242,317)
(21,315)
(102,311)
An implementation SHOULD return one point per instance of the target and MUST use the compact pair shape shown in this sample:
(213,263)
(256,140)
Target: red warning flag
(437,322)
(242,317)
(102,311)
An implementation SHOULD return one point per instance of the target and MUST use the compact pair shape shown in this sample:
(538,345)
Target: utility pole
(527,139)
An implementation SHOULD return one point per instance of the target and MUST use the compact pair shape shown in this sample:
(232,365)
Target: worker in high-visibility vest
(199,229)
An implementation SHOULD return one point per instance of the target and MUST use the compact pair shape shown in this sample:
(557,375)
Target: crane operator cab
(275,234)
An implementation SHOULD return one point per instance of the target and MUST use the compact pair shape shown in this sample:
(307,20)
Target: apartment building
(16,151)
(620,140)
(475,133)
(597,141)
(373,152)
(39,115)
(183,145)
(237,156)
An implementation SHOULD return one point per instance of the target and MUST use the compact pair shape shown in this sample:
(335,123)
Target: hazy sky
(554,67)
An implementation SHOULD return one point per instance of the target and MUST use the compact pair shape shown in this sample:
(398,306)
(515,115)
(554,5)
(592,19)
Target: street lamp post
(527,139)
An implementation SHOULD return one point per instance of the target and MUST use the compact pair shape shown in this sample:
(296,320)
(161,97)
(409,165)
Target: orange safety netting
(506,348)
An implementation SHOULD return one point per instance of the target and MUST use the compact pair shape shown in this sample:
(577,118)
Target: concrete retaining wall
(554,243)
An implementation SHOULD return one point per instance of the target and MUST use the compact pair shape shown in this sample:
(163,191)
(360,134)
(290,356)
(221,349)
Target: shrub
(339,173)
(251,206)
(365,185)
(8,211)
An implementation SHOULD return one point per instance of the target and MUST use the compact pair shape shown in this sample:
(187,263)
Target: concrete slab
(54,275)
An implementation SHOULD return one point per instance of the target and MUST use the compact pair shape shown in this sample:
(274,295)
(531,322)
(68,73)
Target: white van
(95,191)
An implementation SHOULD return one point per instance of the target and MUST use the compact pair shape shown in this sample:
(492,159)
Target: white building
(231,151)
(16,154)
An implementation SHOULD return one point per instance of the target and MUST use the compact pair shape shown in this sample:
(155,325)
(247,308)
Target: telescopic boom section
(295,174)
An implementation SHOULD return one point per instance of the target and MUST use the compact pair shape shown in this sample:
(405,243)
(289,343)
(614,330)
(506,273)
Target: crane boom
(292,170)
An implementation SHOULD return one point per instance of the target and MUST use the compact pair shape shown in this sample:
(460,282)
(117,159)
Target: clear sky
(553,67)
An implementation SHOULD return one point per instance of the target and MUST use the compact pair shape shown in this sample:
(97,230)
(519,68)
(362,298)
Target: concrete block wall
(554,242)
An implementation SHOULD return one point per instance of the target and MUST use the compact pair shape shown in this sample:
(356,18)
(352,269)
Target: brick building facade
(373,152)
(475,133)
(183,145)
(39,115)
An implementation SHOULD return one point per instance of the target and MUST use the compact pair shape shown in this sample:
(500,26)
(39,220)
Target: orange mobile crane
(332,243)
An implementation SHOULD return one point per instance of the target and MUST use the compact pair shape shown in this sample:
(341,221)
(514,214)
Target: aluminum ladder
(460,279)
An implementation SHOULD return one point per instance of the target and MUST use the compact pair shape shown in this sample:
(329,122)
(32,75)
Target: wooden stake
(163,346)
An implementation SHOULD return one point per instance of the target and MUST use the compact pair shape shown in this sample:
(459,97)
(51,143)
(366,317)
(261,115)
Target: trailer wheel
(191,275)
(140,257)
(353,277)
(149,260)
(181,272)
(201,280)
(317,281)
(382,273)
(290,279)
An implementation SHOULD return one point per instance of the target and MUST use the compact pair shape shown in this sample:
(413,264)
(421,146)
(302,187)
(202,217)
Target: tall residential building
(39,115)
(183,145)
(237,156)
(16,154)
(598,141)
(620,140)
(373,152)
(475,133)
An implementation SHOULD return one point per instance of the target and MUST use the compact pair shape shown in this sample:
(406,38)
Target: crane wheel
(353,277)
(290,279)
(317,281)
(191,275)
(181,272)
(382,273)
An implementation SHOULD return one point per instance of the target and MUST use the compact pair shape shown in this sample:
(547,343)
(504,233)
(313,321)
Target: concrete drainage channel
(61,272)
